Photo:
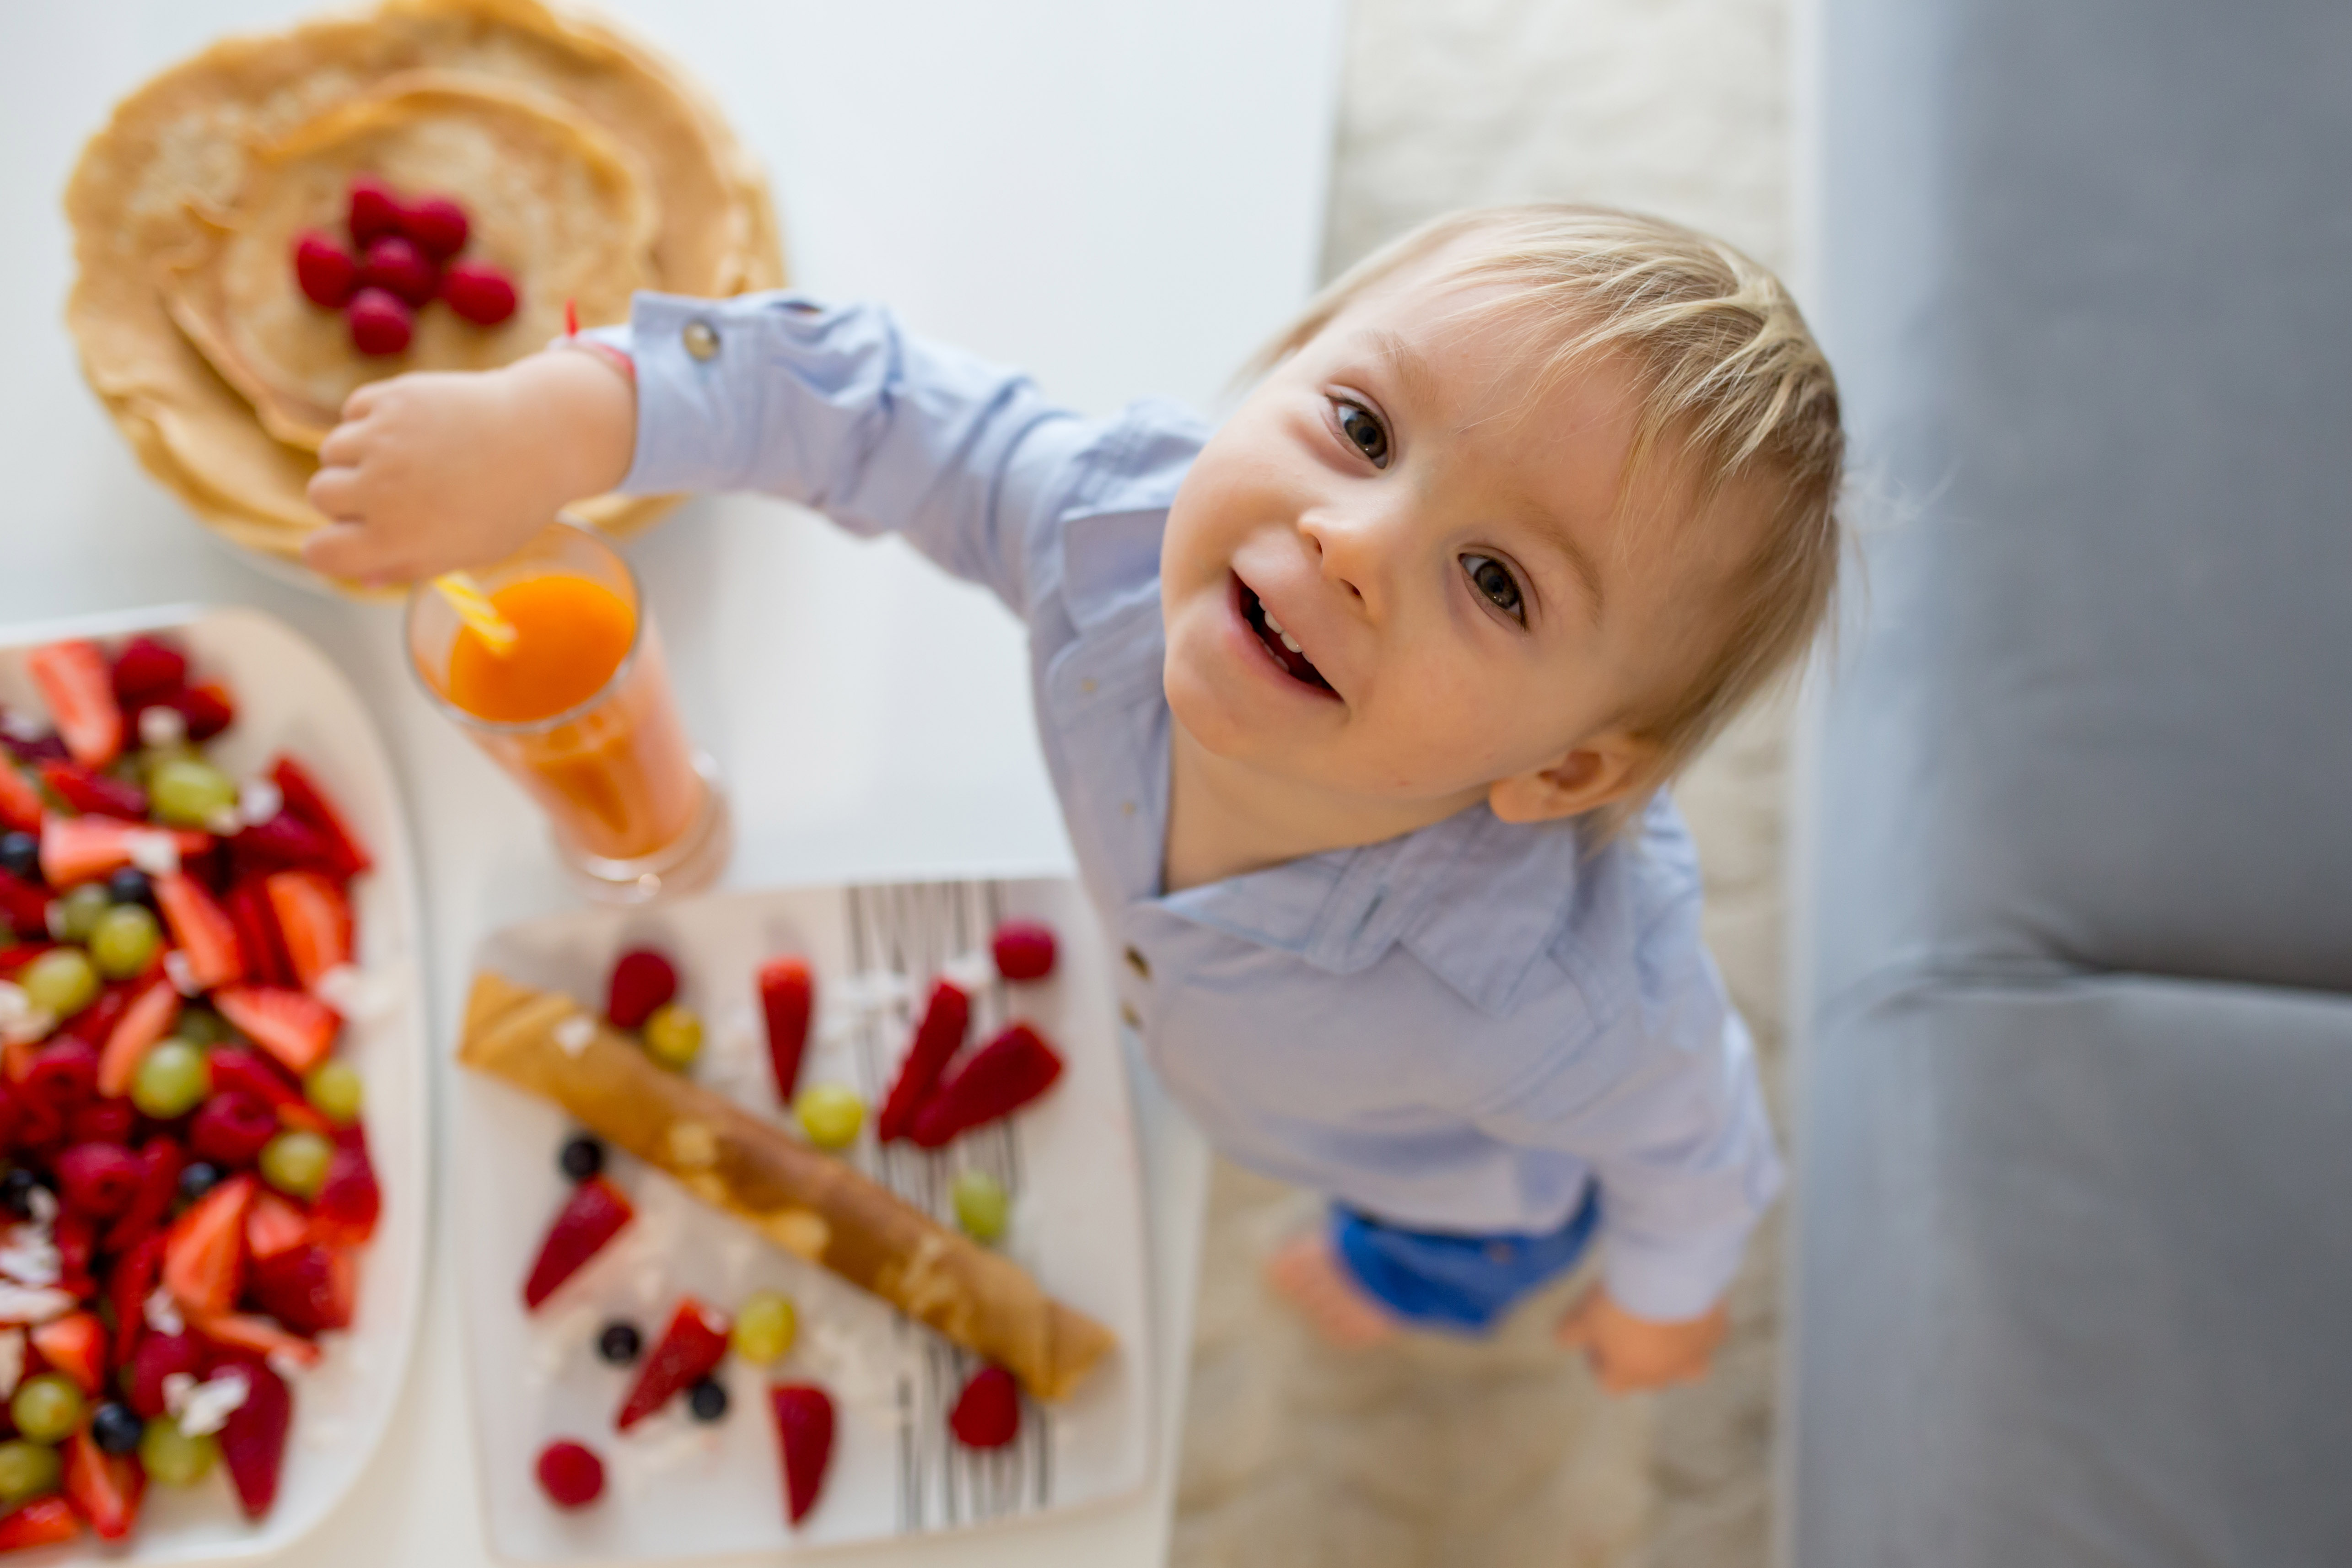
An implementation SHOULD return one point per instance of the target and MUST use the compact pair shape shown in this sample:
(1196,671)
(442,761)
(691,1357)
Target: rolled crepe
(807,1202)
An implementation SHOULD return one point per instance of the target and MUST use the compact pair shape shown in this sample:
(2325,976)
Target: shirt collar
(1475,898)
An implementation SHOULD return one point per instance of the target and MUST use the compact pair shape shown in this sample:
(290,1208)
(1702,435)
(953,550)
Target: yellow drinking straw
(474,608)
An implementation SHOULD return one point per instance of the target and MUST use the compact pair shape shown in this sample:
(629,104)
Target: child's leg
(1359,1281)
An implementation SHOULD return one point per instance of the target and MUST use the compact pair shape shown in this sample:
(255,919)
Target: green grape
(47,1407)
(152,758)
(674,1036)
(172,1080)
(295,1162)
(79,911)
(982,1207)
(172,1458)
(335,1088)
(202,1026)
(189,794)
(27,1470)
(60,982)
(830,1113)
(124,939)
(764,1328)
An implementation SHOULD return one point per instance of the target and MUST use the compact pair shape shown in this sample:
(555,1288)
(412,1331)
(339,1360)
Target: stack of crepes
(591,168)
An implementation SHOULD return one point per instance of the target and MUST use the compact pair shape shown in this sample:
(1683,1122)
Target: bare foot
(1306,1272)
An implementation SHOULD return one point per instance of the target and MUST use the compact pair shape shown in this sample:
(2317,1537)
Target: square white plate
(678,1489)
(290,699)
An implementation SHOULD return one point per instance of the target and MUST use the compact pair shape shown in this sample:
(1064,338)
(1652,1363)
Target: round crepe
(182,145)
(555,202)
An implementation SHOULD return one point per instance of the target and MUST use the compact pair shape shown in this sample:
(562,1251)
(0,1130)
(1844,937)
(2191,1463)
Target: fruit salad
(184,1180)
(942,1090)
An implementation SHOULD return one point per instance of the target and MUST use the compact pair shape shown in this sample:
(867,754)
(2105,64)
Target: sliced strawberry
(147,1019)
(75,1235)
(937,1039)
(75,1344)
(803,1415)
(253,1443)
(594,1215)
(204,711)
(310,1288)
(987,1413)
(284,841)
(20,803)
(204,1252)
(690,1349)
(787,996)
(127,1288)
(82,848)
(88,791)
(145,665)
(313,918)
(305,800)
(1001,1076)
(98,1017)
(160,1161)
(103,1488)
(247,1332)
(160,1356)
(258,944)
(1024,950)
(45,1521)
(642,981)
(24,907)
(75,683)
(274,1227)
(295,1027)
(243,1071)
(205,935)
(350,1199)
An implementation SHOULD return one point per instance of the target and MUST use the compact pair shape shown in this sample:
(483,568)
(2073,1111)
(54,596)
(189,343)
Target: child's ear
(1606,768)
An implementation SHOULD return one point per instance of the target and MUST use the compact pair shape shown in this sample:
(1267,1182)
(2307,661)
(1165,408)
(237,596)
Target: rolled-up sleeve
(842,410)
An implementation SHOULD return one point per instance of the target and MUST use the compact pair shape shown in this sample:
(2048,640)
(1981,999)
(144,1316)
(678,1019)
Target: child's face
(1472,609)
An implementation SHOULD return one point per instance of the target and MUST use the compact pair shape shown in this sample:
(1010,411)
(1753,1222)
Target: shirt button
(701,340)
(1126,808)
(1086,685)
(1135,962)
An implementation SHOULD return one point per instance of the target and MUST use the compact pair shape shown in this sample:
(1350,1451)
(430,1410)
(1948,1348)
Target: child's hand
(1629,1353)
(436,471)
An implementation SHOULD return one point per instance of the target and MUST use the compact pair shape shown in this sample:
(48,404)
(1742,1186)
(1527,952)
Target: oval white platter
(290,699)
(678,1489)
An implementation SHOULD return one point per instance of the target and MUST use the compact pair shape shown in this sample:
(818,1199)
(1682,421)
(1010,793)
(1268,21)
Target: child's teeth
(1271,624)
(1290,642)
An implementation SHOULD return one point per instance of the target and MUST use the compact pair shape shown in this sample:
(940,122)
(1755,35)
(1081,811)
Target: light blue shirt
(1455,1030)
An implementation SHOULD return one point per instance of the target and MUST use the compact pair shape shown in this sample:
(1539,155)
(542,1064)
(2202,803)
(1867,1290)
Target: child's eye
(1363,429)
(1494,580)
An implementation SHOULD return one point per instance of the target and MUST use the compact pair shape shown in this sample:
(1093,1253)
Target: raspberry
(573,1476)
(98,1179)
(380,323)
(376,210)
(1024,950)
(325,270)
(642,981)
(399,268)
(436,224)
(987,1415)
(479,293)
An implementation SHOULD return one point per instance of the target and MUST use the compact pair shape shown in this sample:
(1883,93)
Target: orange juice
(579,711)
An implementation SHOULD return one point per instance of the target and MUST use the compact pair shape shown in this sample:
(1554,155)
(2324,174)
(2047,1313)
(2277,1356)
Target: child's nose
(1352,545)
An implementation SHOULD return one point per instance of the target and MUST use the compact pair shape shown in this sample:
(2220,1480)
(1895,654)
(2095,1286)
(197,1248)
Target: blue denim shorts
(1459,1282)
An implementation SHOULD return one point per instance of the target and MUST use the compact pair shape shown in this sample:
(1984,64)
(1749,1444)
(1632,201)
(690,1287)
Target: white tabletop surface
(1123,196)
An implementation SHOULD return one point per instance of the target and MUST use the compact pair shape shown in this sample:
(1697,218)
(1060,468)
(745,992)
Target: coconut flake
(358,993)
(258,800)
(28,1256)
(20,1021)
(181,973)
(44,1204)
(969,971)
(155,853)
(162,725)
(12,1361)
(34,1303)
(162,1313)
(207,1407)
(574,1033)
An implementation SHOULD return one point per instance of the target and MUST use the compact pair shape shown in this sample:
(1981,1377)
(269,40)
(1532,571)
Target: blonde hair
(1731,382)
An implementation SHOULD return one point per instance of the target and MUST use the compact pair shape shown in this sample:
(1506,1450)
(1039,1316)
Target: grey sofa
(2073,1279)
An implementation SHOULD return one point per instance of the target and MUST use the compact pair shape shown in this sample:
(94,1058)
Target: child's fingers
(344,550)
(362,399)
(336,492)
(345,446)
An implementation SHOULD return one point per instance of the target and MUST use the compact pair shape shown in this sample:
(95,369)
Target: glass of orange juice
(580,712)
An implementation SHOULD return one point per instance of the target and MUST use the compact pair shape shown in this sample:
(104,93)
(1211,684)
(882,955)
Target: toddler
(1359,705)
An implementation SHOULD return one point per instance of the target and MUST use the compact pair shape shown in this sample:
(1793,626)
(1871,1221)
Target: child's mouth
(1279,643)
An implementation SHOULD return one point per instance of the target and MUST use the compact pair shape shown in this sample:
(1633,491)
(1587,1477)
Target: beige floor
(1505,1454)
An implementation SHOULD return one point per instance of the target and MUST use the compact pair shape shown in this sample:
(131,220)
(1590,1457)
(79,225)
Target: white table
(1124,197)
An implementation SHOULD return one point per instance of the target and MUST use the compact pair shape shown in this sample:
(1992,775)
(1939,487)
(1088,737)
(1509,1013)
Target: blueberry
(130,886)
(116,1428)
(197,1178)
(708,1400)
(583,1157)
(620,1343)
(20,854)
(17,1192)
